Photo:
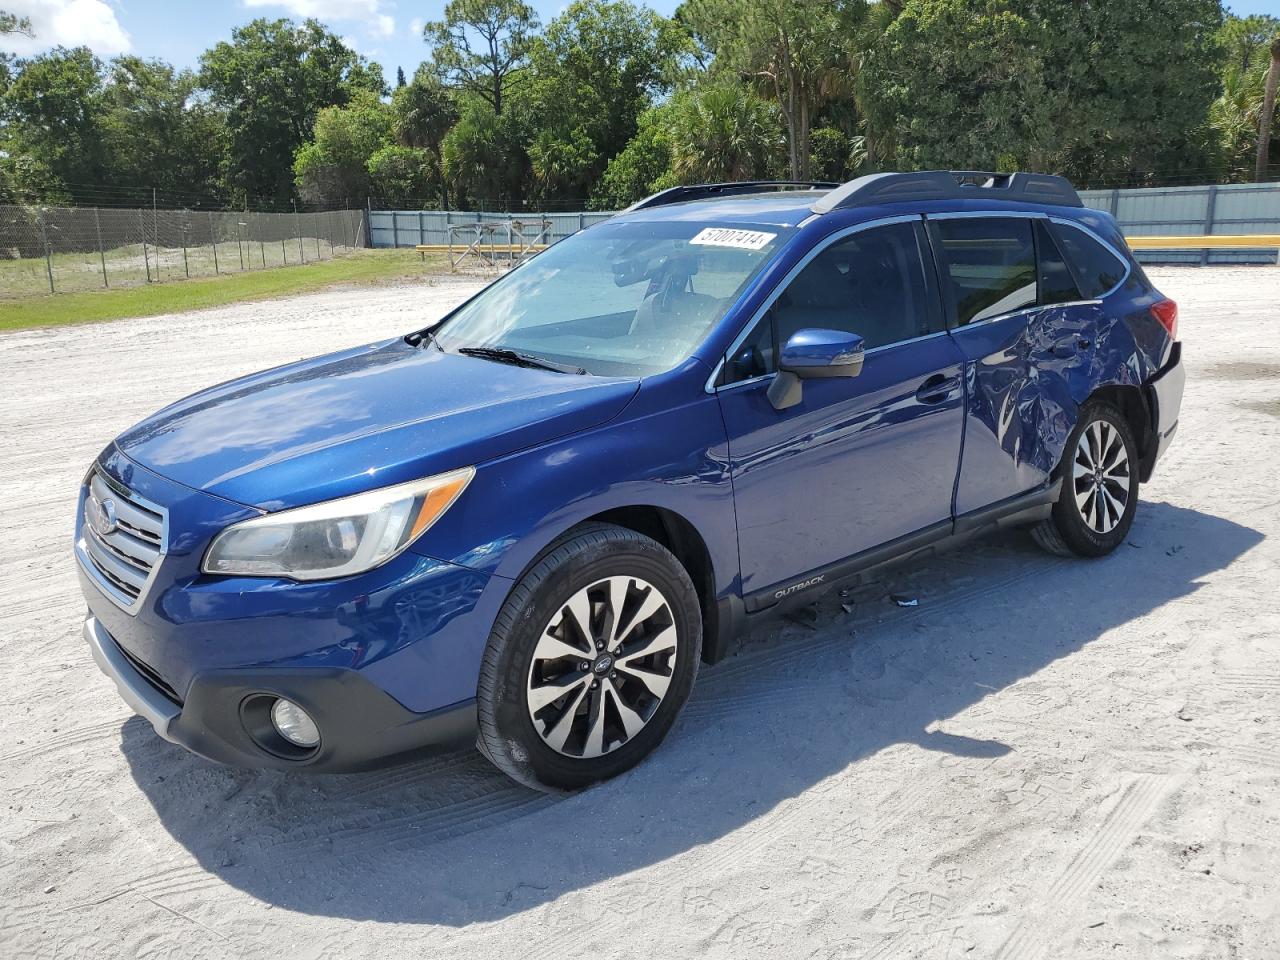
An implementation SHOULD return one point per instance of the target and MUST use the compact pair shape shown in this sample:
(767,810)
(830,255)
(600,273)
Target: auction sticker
(724,237)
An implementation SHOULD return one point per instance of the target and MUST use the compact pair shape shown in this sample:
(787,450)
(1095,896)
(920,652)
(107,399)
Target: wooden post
(97,223)
(142,225)
(297,226)
(213,240)
(48,260)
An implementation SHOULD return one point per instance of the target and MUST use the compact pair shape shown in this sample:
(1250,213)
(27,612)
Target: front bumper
(360,725)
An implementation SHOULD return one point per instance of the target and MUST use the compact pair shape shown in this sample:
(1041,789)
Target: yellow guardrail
(1257,241)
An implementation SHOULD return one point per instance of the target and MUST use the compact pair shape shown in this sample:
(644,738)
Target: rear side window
(1057,285)
(1097,269)
(991,264)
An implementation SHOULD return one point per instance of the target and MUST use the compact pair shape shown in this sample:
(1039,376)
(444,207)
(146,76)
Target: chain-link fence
(69,249)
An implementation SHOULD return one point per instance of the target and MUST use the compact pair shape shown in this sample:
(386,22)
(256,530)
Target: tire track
(1032,937)
(1250,681)
(696,864)
(72,738)
(1258,756)
(155,883)
(468,811)
(406,777)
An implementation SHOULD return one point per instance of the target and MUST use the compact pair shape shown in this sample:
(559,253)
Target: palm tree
(1234,117)
(1268,112)
(722,132)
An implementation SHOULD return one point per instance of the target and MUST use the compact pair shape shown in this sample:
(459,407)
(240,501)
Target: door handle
(937,388)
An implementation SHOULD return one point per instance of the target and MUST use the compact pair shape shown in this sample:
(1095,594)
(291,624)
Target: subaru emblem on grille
(100,515)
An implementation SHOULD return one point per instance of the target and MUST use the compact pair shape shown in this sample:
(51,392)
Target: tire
(618,700)
(1085,523)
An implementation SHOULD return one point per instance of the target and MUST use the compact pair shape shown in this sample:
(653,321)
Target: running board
(1023,509)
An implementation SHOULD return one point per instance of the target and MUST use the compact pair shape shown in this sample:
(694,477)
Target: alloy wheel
(1101,476)
(601,667)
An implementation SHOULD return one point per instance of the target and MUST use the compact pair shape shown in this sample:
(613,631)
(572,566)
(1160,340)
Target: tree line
(609,101)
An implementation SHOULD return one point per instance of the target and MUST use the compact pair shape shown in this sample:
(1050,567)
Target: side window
(871,283)
(992,265)
(1096,268)
(1056,283)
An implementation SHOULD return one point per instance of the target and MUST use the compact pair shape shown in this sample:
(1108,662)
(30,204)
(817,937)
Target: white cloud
(324,9)
(415,27)
(69,23)
(371,13)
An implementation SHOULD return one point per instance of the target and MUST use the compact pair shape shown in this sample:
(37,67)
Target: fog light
(294,724)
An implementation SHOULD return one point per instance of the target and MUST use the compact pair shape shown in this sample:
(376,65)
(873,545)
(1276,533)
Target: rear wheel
(1099,493)
(590,661)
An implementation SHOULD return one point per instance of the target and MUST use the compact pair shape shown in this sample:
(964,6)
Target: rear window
(991,263)
(1097,270)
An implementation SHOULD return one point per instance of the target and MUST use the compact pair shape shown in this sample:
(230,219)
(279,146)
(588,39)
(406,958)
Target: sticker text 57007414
(725,237)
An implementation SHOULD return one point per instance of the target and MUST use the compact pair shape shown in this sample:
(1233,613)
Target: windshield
(619,299)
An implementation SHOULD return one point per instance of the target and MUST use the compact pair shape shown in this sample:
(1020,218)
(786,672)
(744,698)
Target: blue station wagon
(529,523)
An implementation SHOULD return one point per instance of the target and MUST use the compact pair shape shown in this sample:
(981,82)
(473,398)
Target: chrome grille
(125,545)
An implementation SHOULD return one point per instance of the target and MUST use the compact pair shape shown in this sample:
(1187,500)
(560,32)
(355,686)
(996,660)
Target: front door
(859,461)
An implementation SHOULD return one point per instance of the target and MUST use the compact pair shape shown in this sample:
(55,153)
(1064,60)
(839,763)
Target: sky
(387,31)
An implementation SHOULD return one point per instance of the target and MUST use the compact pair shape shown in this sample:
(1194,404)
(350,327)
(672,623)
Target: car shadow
(448,840)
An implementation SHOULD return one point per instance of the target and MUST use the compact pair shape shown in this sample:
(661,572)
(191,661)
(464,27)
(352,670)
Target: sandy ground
(1044,759)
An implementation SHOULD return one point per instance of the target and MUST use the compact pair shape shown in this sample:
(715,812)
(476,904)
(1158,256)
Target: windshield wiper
(503,355)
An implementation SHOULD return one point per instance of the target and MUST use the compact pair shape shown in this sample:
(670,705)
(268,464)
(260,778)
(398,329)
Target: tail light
(1166,311)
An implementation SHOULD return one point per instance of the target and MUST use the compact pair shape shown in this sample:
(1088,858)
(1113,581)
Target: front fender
(661,456)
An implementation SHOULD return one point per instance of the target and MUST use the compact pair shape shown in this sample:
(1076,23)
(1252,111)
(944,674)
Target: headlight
(337,538)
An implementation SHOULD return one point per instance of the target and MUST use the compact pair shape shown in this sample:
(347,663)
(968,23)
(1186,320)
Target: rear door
(1025,332)
(859,461)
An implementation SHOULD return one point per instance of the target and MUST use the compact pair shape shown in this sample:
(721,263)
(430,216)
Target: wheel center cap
(603,665)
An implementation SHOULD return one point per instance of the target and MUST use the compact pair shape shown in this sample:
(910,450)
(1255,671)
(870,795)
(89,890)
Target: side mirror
(813,354)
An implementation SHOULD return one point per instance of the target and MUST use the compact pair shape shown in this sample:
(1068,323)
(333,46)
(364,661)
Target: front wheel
(590,660)
(1099,493)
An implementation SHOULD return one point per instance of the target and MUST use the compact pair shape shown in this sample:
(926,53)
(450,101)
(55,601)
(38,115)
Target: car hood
(361,419)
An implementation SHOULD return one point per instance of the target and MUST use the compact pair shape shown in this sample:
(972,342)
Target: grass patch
(367,266)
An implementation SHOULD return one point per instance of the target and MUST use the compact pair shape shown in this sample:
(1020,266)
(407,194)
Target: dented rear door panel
(1025,378)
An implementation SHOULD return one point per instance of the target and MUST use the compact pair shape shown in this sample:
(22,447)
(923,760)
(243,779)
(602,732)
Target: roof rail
(703,191)
(950,185)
